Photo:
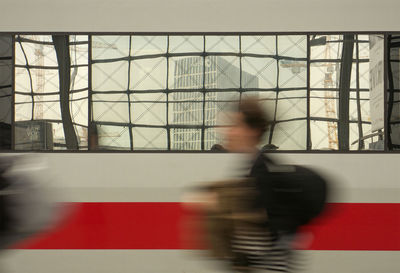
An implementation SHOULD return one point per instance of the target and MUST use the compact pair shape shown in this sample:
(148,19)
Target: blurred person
(256,246)
(25,204)
(253,221)
(5,218)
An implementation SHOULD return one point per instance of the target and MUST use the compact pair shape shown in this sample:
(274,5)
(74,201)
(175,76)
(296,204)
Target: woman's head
(249,124)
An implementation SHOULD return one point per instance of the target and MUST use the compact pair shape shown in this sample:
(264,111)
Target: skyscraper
(195,113)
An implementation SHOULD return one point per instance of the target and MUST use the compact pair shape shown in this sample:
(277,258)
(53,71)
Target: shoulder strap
(261,159)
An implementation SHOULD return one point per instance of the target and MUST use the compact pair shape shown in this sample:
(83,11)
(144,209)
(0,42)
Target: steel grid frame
(240,56)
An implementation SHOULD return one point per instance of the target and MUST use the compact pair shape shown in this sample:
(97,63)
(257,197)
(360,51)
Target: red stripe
(346,226)
(357,227)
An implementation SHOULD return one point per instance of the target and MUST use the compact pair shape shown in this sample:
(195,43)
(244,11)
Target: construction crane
(40,80)
(38,75)
(39,53)
(329,84)
(329,98)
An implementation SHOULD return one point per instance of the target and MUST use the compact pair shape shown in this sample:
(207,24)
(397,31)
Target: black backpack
(292,195)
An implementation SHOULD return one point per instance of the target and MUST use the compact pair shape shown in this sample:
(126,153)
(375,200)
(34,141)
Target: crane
(329,95)
(329,99)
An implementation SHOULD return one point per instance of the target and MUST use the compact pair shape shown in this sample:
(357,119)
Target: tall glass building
(219,74)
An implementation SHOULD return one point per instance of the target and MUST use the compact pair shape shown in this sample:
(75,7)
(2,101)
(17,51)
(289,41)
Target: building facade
(213,97)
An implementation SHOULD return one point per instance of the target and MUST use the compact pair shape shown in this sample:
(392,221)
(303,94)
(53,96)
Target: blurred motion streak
(27,205)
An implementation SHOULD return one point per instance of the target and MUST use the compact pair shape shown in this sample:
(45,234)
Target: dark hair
(218,148)
(254,115)
(268,147)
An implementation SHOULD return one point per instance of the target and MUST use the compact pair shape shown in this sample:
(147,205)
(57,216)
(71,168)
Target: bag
(234,210)
(292,195)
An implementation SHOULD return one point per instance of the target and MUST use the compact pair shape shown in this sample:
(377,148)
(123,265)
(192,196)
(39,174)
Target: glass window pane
(212,136)
(109,47)
(112,76)
(148,74)
(323,135)
(265,45)
(375,82)
(217,107)
(148,45)
(79,78)
(291,104)
(185,139)
(222,72)
(110,108)
(149,138)
(185,108)
(222,44)
(184,44)
(290,135)
(148,109)
(35,135)
(292,45)
(326,47)
(185,73)
(292,74)
(113,137)
(259,72)
(363,75)
(324,104)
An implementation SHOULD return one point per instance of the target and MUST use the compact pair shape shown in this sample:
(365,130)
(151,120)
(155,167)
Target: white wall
(199,15)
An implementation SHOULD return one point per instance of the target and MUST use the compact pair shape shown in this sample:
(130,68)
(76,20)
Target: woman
(261,245)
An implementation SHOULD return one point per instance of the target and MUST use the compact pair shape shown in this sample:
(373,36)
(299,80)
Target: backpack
(278,200)
(292,195)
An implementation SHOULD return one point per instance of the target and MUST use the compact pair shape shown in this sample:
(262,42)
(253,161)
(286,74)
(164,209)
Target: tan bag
(233,209)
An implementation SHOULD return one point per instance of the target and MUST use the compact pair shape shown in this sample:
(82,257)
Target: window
(51,92)
(172,92)
(339,85)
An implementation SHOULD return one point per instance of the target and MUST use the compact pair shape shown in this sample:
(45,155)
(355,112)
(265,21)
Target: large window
(51,92)
(173,92)
(340,93)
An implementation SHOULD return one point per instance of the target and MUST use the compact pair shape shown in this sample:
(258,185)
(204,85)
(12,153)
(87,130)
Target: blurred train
(125,213)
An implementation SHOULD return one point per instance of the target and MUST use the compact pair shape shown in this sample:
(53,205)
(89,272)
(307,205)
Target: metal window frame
(308,146)
(13,94)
